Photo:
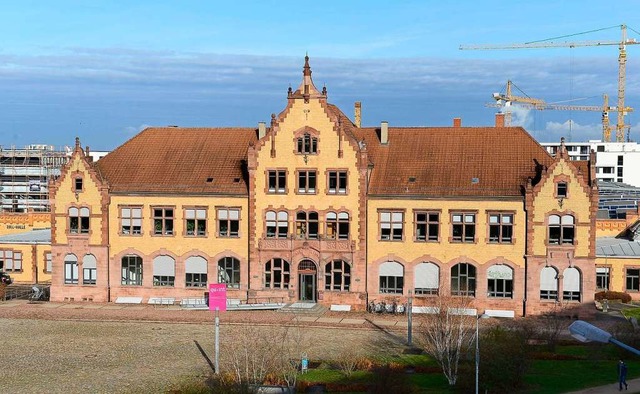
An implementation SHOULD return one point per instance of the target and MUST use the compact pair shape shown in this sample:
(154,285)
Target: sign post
(217,302)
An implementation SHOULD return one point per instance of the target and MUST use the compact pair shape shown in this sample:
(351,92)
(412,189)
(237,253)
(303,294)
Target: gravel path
(76,349)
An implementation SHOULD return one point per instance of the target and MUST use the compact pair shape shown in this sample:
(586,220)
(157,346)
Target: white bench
(340,308)
(194,303)
(499,313)
(161,301)
(129,300)
(425,309)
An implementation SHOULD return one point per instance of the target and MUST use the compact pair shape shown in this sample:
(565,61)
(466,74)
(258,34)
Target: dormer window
(77,185)
(307,144)
(561,189)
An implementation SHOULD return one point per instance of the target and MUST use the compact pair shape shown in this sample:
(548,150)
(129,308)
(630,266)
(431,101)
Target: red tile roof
(180,160)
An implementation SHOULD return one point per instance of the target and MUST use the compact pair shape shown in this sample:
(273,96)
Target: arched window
(195,268)
(277,224)
(561,229)
(307,225)
(391,277)
(427,279)
(307,144)
(337,275)
(277,274)
(89,267)
(79,220)
(337,225)
(132,270)
(571,284)
(548,284)
(164,271)
(463,280)
(500,281)
(229,272)
(71,269)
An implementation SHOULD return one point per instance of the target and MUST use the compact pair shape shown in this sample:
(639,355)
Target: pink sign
(217,296)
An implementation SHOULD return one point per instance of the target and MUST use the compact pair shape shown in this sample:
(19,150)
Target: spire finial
(307,68)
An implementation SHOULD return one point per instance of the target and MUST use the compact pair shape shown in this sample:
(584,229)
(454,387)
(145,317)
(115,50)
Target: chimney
(457,122)
(358,114)
(86,153)
(262,129)
(384,132)
(499,120)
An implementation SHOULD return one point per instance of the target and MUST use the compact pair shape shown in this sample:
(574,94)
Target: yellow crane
(505,100)
(622,60)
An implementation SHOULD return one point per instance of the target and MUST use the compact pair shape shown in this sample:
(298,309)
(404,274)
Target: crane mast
(622,60)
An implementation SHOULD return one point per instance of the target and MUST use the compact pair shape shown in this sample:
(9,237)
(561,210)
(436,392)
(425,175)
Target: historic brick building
(314,207)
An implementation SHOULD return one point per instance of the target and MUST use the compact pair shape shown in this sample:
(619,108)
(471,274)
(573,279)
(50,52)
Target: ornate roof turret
(307,89)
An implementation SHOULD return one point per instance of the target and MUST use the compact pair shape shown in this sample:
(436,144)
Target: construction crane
(505,100)
(622,60)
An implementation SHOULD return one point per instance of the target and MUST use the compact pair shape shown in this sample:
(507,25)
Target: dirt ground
(90,349)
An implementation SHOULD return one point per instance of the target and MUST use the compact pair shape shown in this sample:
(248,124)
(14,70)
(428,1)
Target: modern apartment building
(315,208)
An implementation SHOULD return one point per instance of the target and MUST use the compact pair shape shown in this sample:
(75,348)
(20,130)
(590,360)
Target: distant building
(26,256)
(615,161)
(316,208)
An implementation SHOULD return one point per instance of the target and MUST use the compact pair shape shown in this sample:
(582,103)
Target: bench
(340,308)
(499,313)
(129,300)
(161,301)
(194,303)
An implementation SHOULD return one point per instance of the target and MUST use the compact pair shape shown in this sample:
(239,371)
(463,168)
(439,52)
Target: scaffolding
(25,174)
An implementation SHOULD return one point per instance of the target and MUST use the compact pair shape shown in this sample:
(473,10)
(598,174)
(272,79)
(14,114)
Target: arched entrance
(307,279)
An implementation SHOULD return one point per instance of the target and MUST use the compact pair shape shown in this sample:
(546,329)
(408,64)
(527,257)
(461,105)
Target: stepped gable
(180,160)
(453,161)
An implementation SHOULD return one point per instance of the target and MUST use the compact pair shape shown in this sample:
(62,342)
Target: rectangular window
(48,263)
(391,224)
(78,184)
(10,261)
(337,181)
(228,222)
(163,221)
(196,280)
(561,189)
(620,160)
(607,170)
(88,276)
(307,182)
(277,181)
(79,220)
(463,227)
(131,220)
(633,279)
(71,272)
(602,278)
(391,284)
(501,228)
(619,171)
(427,226)
(195,222)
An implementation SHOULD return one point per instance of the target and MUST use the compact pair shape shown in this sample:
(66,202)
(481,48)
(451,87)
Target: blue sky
(103,70)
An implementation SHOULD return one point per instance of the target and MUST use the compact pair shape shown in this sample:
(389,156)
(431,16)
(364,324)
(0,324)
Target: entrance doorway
(307,275)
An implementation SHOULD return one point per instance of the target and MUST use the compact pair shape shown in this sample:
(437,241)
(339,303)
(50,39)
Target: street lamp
(585,332)
(478,317)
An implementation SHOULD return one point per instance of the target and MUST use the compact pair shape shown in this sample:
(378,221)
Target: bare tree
(448,331)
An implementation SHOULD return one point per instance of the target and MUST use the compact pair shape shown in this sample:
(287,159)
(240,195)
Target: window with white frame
(337,276)
(195,222)
(195,268)
(277,181)
(501,228)
(427,279)
(561,189)
(337,182)
(131,220)
(391,277)
(500,281)
(307,225)
(277,274)
(131,270)
(307,182)
(70,269)
(164,271)
(391,225)
(89,268)
(548,283)
(163,221)
(10,261)
(48,262)
(229,272)
(463,227)
(427,226)
(561,229)
(229,222)
(571,284)
(78,220)
(602,278)
(463,280)
(337,225)
(277,224)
